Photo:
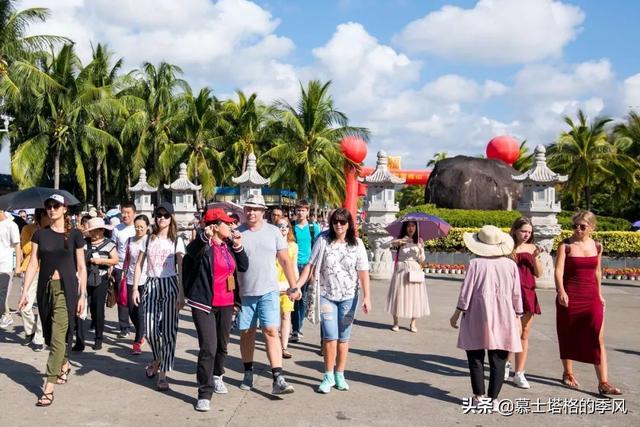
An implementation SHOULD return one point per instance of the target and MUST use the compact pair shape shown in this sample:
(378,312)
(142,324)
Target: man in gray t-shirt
(260,292)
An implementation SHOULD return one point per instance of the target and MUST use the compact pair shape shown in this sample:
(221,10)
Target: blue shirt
(303,237)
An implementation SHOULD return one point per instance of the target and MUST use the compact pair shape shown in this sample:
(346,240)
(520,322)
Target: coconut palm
(586,155)
(18,51)
(630,129)
(149,128)
(436,158)
(525,158)
(55,134)
(197,140)
(307,156)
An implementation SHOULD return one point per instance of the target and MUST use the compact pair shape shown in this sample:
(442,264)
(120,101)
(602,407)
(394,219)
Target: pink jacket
(490,299)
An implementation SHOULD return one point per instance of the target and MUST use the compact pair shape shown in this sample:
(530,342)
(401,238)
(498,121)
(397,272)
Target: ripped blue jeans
(337,318)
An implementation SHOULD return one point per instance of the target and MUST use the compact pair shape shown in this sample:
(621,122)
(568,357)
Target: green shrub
(615,243)
(504,219)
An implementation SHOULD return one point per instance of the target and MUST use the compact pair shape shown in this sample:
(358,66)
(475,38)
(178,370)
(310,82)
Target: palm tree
(631,130)
(525,159)
(436,158)
(586,155)
(244,121)
(56,130)
(18,51)
(307,156)
(149,128)
(197,140)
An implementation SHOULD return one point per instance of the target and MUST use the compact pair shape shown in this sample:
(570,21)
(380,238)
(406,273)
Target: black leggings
(97,296)
(136,313)
(497,361)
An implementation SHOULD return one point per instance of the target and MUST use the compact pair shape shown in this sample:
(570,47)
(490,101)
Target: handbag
(122,286)
(112,295)
(313,287)
(416,276)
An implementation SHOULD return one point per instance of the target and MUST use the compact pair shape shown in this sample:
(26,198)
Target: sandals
(151,369)
(605,388)
(395,328)
(286,354)
(45,400)
(163,384)
(569,380)
(63,378)
(413,328)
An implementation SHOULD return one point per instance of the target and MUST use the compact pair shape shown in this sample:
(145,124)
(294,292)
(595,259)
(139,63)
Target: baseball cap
(58,198)
(217,214)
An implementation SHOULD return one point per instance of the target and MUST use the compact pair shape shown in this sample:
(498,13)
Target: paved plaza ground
(396,378)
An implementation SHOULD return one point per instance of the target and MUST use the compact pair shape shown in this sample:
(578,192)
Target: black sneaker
(97,345)
(124,333)
(26,339)
(37,347)
(78,348)
(295,337)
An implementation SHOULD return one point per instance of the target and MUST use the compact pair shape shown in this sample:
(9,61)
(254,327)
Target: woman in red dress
(580,305)
(525,254)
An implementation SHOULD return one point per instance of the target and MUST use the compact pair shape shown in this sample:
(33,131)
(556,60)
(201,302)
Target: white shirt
(122,233)
(161,257)
(9,238)
(134,252)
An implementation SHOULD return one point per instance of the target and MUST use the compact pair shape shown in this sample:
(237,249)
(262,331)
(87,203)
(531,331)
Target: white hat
(255,201)
(489,241)
(94,223)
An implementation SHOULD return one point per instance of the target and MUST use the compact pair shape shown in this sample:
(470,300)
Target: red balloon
(354,148)
(503,148)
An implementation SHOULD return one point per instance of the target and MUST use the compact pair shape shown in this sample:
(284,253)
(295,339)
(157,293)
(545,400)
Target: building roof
(251,175)
(540,172)
(182,183)
(142,185)
(382,175)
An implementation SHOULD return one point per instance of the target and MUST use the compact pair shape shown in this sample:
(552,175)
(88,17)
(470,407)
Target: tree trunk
(587,197)
(98,183)
(56,169)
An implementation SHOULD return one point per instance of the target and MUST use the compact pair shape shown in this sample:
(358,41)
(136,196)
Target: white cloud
(454,88)
(631,92)
(495,31)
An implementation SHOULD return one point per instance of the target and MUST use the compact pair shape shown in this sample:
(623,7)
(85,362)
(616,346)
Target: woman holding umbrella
(407,296)
(59,250)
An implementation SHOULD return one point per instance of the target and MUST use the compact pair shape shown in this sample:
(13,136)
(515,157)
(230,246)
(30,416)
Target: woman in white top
(163,295)
(135,246)
(342,260)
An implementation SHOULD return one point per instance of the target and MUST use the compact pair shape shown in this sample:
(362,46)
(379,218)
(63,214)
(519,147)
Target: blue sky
(423,76)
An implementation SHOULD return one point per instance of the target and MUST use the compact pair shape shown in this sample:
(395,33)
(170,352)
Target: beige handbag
(416,276)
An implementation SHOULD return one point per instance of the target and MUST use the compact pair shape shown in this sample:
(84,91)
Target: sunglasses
(283,226)
(165,215)
(54,206)
(582,227)
(340,221)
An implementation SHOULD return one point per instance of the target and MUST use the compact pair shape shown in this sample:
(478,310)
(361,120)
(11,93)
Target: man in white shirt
(121,234)
(9,244)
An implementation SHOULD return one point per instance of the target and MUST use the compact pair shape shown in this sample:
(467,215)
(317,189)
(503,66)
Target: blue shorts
(337,318)
(265,307)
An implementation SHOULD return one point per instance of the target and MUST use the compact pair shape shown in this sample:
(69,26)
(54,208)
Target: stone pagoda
(250,181)
(142,192)
(381,208)
(183,193)
(538,203)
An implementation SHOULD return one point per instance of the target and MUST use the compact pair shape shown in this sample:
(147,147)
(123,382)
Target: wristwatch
(292,290)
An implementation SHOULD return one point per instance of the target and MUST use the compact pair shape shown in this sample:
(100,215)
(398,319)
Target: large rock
(463,182)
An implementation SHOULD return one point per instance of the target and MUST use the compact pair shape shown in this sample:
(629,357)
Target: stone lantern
(381,208)
(250,181)
(142,192)
(182,197)
(538,203)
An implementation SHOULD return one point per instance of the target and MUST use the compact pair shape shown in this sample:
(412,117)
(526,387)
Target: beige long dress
(407,299)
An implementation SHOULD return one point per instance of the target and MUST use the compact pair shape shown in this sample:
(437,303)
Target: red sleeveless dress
(527,283)
(579,324)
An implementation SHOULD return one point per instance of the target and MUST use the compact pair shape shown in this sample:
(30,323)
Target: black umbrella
(33,197)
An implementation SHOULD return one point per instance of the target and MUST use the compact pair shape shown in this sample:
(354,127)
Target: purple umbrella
(429,226)
(636,224)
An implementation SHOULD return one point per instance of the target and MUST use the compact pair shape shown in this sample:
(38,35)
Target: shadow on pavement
(437,364)
(626,351)
(21,373)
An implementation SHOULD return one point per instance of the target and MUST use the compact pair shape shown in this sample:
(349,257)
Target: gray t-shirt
(261,247)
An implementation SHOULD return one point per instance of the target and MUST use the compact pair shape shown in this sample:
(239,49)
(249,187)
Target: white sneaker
(507,368)
(520,381)
(218,385)
(203,405)
(280,386)
(6,321)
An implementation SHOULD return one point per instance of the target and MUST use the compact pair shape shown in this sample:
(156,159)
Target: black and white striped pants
(161,319)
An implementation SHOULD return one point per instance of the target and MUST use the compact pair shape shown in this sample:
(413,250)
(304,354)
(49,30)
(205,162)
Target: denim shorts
(337,318)
(265,308)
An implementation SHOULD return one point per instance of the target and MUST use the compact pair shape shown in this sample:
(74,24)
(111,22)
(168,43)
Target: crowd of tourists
(282,274)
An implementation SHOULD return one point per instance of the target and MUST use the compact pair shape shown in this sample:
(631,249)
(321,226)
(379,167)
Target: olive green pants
(60,323)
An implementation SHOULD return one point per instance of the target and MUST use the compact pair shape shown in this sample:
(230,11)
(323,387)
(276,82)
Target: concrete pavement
(396,378)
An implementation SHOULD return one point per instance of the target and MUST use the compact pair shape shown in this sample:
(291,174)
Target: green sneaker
(340,382)
(327,383)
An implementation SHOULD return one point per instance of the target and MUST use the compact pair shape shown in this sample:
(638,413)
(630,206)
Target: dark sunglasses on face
(165,215)
(340,221)
(582,227)
(283,226)
(54,206)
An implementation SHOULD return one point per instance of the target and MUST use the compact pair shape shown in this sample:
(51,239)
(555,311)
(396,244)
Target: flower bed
(621,273)
(434,268)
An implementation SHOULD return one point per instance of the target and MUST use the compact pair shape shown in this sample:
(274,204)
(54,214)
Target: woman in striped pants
(163,295)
